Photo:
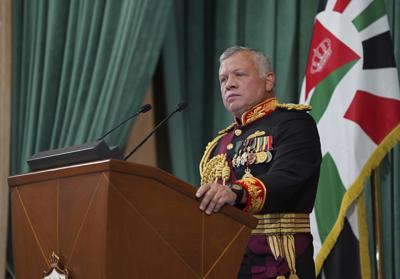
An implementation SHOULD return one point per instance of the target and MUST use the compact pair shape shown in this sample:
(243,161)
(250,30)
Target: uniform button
(238,132)
(229,146)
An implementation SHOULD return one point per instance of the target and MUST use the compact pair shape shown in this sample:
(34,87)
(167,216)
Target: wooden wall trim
(5,119)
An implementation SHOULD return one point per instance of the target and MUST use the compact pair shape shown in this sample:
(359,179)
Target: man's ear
(269,81)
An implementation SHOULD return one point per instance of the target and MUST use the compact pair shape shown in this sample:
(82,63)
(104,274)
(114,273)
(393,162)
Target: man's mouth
(231,96)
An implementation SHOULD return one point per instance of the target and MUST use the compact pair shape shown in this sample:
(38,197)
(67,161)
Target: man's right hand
(214,196)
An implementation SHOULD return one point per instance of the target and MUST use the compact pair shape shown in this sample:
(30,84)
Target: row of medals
(249,157)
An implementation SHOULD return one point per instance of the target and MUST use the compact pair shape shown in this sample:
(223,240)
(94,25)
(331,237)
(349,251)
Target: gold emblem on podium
(56,271)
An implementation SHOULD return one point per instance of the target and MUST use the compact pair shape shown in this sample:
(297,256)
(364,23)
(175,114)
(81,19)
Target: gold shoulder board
(227,129)
(294,107)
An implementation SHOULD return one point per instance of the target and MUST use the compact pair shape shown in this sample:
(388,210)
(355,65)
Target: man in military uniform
(266,163)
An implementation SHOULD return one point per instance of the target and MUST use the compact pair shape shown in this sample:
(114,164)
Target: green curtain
(390,174)
(78,68)
(197,33)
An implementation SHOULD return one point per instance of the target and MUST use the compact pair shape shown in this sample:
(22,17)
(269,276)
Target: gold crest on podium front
(56,271)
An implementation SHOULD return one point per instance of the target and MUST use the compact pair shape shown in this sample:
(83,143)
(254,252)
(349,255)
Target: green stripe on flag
(374,11)
(324,91)
(329,196)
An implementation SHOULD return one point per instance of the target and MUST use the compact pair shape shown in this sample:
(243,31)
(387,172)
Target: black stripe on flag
(344,260)
(321,5)
(378,52)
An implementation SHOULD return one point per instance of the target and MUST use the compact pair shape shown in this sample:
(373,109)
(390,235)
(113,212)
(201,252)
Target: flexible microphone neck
(180,107)
(143,109)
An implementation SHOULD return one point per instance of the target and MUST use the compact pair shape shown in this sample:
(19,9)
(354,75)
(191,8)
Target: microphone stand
(180,107)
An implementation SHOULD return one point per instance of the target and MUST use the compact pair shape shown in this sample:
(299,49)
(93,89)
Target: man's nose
(231,83)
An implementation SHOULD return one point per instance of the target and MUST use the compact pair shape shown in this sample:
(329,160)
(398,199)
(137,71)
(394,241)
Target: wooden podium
(113,219)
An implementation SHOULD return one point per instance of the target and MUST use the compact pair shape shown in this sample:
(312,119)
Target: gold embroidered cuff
(256,193)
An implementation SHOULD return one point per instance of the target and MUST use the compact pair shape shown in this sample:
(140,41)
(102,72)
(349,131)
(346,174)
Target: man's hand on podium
(214,196)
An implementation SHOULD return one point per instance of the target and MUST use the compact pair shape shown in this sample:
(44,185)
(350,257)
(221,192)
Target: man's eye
(222,80)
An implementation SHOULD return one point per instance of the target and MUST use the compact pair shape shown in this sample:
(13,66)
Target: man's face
(241,85)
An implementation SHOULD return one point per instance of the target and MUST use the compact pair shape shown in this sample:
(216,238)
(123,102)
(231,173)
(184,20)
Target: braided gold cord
(205,169)
(216,168)
(226,171)
(207,152)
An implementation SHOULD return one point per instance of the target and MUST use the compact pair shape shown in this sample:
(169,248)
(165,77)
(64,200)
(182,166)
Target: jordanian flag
(352,85)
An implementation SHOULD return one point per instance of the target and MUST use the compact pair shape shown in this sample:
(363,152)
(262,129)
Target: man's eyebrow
(236,69)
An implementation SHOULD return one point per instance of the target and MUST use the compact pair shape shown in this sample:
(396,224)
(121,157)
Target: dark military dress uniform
(273,152)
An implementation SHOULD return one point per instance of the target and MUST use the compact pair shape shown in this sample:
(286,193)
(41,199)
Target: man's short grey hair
(262,61)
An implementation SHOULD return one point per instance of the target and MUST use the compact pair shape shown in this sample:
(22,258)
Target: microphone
(87,152)
(143,109)
(181,106)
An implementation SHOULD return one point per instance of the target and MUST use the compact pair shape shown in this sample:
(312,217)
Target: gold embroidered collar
(262,109)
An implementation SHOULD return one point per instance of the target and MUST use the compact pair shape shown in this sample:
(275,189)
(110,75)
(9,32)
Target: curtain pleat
(390,174)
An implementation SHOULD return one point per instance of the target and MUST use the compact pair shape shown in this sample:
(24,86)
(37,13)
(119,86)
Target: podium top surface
(119,166)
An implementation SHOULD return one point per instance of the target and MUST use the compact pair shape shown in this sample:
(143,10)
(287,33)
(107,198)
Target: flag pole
(377,213)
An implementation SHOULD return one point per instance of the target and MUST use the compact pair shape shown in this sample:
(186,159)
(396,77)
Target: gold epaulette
(209,148)
(300,107)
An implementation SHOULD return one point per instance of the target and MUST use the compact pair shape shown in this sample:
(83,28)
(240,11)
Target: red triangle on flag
(377,116)
(327,53)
